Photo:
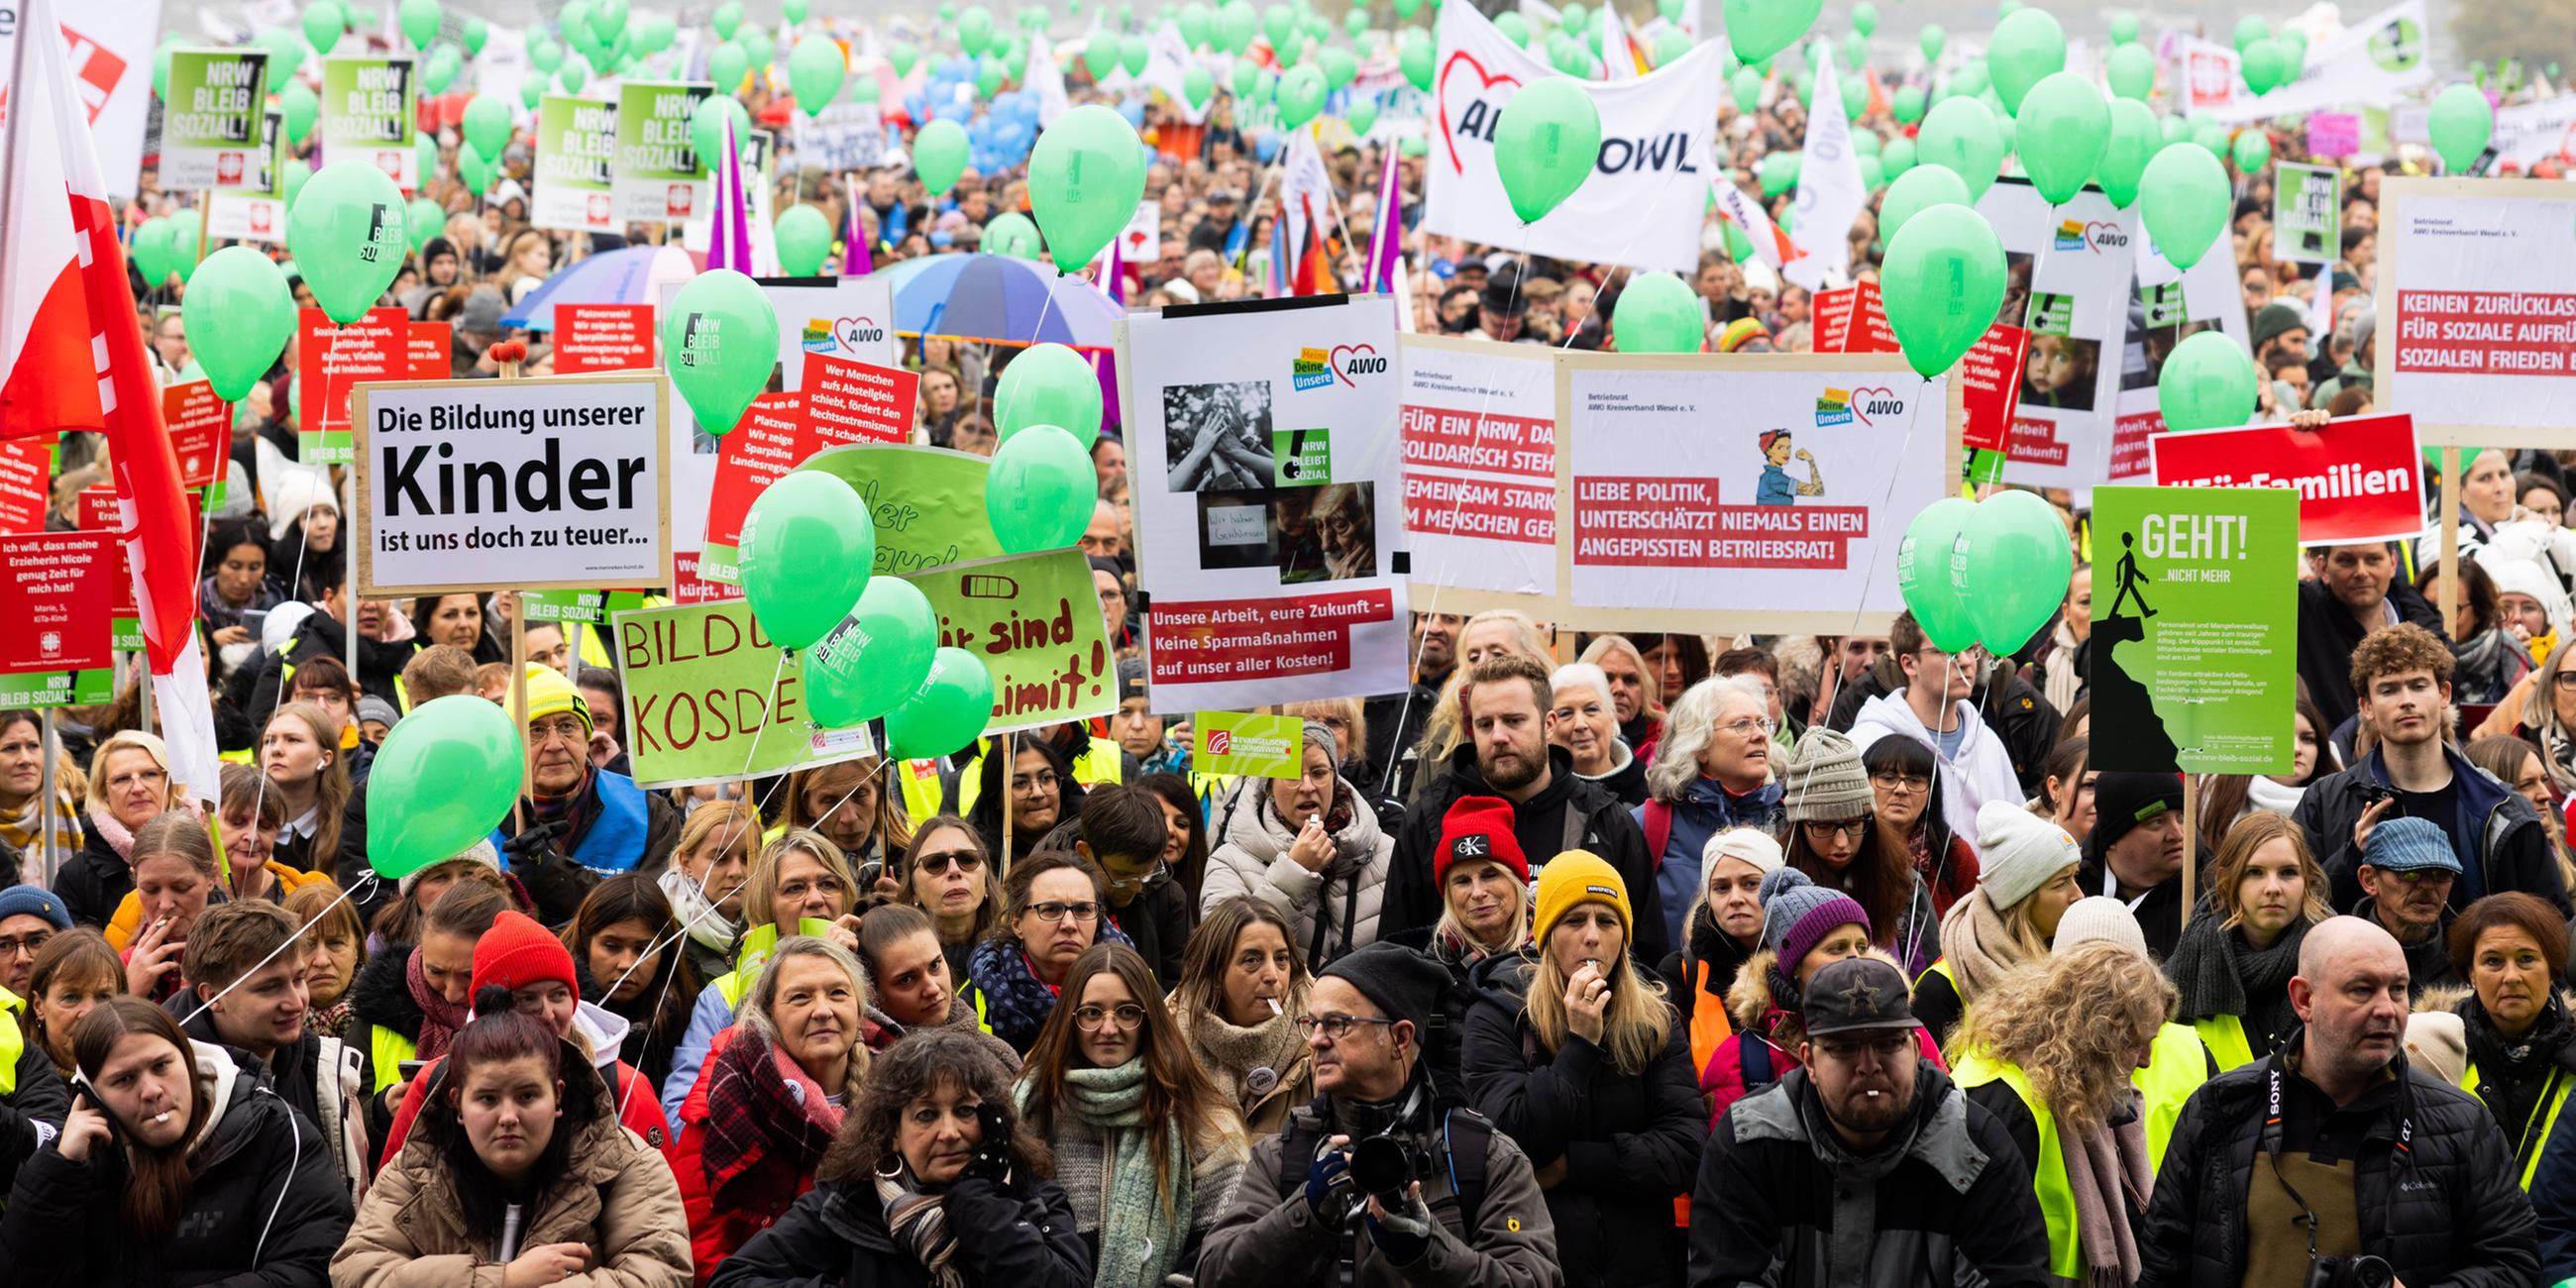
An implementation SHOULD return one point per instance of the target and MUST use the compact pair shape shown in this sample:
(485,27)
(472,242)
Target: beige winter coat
(1335,910)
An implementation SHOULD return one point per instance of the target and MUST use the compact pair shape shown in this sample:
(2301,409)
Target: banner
(256,210)
(2372,64)
(1773,485)
(2333,136)
(576,153)
(2194,640)
(201,436)
(1249,745)
(1830,192)
(657,176)
(210,135)
(709,698)
(1643,204)
(2067,271)
(2307,214)
(1989,380)
(55,639)
(2477,308)
(2526,133)
(603,337)
(2165,306)
(331,360)
(847,136)
(109,52)
(369,109)
(2358,480)
(1479,442)
(1853,319)
(553,484)
(1035,621)
(1262,441)
(847,401)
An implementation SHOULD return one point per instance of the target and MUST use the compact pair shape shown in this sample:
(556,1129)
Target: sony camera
(2350,1272)
(1383,1167)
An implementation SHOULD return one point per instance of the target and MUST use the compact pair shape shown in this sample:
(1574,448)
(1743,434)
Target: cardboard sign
(2195,605)
(1989,377)
(26,466)
(210,135)
(201,431)
(2477,309)
(1853,319)
(2358,479)
(1479,442)
(57,628)
(709,698)
(1256,746)
(657,175)
(847,401)
(603,337)
(576,155)
(1035,620)
(331,360)
(539,484)
(370,113)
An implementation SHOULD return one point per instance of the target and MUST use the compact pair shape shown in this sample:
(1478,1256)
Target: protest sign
(2477,308)
(2194,639)
(2333,136)
(603,337)
(2307,215)
(753,152)
(2067,267)
(851,318)
(709,698)
(1479,442)
(845,136)
(1035,621)
(576,154)
(201,431)
(108,51)
(770,440)
(1254,746)
(1989,379)
(1267,588)
(657,175)
(210,136)
(540,484)
(2370,65)
(2206,75)
(370,107)
(1775,486)
(428,347)
(2526,133)
(1642,205)
(587,607)
(55,640)
(1853,319)
(98,512)
(847,401)
(2358,479)
(255,210)
(687,587)
(928,503)
(330,360)
(26,469)
(2165,306)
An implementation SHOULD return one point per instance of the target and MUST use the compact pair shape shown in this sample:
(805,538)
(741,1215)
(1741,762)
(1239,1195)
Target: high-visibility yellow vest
(2225,1037)
(2529,1139)
(389,1050)
(1105,766)
(13,1041)
(919,780)
(2048,1171)
(2177,1065)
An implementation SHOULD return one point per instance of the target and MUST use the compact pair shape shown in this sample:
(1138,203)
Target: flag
(1621,59)
(1113,272)
(1386,246)
(855,259)
(1771,244)
(1315,262)
(1830,191)
(729,236)
(62,232)
(1277,285)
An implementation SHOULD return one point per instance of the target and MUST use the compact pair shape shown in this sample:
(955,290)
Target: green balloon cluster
(2009,567)
(1923,574)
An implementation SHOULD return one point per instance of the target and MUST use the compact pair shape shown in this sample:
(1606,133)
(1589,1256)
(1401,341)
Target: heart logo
(1860,400)
(1440,91)
(2098,231)
(846,330)
(1341,370)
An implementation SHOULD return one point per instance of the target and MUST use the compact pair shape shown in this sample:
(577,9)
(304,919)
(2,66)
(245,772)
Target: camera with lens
(1383,1167)
(2350,1272)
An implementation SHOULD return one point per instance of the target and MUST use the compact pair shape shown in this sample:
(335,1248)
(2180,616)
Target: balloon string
(364,885)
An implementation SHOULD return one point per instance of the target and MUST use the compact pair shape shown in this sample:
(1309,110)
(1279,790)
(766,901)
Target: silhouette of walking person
(2127,570)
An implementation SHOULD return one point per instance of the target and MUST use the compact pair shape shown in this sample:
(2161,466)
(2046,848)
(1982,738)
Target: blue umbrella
(996,297)
(618,277)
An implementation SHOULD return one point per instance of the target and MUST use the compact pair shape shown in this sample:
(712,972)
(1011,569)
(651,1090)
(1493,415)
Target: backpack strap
(1753,1058)
(1658,829)
(1297,1144)
(1466,1137)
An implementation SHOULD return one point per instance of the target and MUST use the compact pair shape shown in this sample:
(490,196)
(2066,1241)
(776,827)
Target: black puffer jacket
(2446,1210)
(1630,1142)
(2513,845)
(93,882)
(836,1234)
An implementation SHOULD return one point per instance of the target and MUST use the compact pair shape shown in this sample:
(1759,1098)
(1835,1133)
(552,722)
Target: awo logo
(1352,361)
(854,332)
(1220,742)
(1833,407)
(2102,235)
(1875,403)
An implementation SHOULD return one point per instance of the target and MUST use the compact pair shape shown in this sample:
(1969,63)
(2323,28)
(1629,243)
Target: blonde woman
(710,866)
(300,753)
(1484,883)
(801,885)
(129,786)
(2009,919)
(1636,694)
(2233,970)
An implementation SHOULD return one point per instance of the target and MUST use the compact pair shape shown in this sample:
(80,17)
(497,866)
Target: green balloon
(2124,28)
(424,219)
(2183,199)
(2260,64)
(2065,125)
(1908,104)
(1746,86)
(873,661)
(302,107)
(707,128)
(1279,23)
(1914,191)
(1301,95)
(1960,134)
(2132,71)
(2028,47)
(1414,145)
(815,69)
(452,770)
(1049,385)
(989,77)
(1513,27)
(974,28)
(349,237)
(947,710)
(1010,233)
(1236,25)
(1873,173)
(1658,313)
(419,21)
(1340,68)
(487,124)
(727,66)
(1923,574)
(2010,567)
(151,252)
(656,32)
(1132,53)
(2249,29)
(532,91)
(1864,18)
(544,54)
(1361,116)
(719,342)
(804,239)
(1042,490)
(1898,157)
(1085,175)
(2134,139)
(904,55)
(1971,78)
(475,33)
(1100,56)
(1671,44)
(939,155)
(324,20)
(607,19)
(1932,39)
(2253,151)
(1197,22)
(2207,383)
(757,45)
(572,75)
(444,64)
(727,19)
(1942,281)
(475,169)
(1760,28)
(1546,141)
(808,545)
(1198,86)
(1778,172)
(2462,122)
(239,312)
(297,175)
(1248,74)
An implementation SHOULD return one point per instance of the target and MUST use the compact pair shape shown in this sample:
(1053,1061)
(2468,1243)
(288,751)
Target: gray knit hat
(2018,851)
(1825,782)
(1796,912)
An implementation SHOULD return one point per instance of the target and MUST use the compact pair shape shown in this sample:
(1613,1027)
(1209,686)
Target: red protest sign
(58,602)
(1988,377)
(687,587)
(769,442)
(200,431)
(2358,479)
(329,360)
(603,337)
(25,464)
(849,401)
(426,346)
(1853,319)
(98,514)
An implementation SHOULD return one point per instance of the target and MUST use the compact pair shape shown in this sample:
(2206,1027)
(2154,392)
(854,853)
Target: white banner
(1830,193)
(2067,280)
(1480,465)
(2529,132)
(1263,442)
(2165,305)
(2477,308)
(2372,64)
(1642,206)
(108,49)
(540,484)
(847,136)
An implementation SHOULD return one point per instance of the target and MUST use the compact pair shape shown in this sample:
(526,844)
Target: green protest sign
(657,175)
(2194,629)
(576,144)
(590,607)
(1035,620)
(210,135)
(1256,746)
(2306,220)
(928,503)
(370,110)
(57,688)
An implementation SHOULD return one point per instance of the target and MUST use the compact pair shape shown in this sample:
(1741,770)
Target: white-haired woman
(1635,697)
(1585,722)
(1712,770)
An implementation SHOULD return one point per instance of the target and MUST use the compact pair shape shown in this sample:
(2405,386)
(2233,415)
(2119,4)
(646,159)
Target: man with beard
(2333,1147)
(1395,720)
(1863,1167)
(2407,870)
(1504,706)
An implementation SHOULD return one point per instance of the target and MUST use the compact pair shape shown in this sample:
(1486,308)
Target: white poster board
(2067,280)
(2476,332)
(2165,305)
(1479,439)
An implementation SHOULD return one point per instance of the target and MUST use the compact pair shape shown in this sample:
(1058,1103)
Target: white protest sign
(2067,281)
(2530,132)
(555,484)
(2165,305)
(2372,64)
(851,318)
(2477,309)
(1480,472)
(845,136)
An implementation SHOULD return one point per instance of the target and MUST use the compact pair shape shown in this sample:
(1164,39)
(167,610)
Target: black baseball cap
(1857,994)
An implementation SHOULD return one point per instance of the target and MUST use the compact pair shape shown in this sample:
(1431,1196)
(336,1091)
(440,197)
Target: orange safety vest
(1710,1027)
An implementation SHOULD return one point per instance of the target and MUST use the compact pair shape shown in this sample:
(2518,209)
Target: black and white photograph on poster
(1217,436)
(1326,533)
(2159,319)
(2165,307)
(1237,530)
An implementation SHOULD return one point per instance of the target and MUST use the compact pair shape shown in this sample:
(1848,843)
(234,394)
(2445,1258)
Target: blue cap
(2410,845)
(34,901)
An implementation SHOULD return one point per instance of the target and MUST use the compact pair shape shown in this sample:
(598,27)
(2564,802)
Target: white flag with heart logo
(1642,206)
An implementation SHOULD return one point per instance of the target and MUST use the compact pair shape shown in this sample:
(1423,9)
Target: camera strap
(2271,1143)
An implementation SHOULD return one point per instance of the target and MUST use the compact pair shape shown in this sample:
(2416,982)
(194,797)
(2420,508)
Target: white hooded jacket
(1252,859)
(1981,772)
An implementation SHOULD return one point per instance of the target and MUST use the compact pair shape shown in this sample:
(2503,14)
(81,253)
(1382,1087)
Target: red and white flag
(1737,207)
(75,360)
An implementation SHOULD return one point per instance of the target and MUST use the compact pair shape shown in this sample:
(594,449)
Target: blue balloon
(1134,112)
(1266,147)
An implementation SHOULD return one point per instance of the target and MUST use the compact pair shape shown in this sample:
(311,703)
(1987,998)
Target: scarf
(1246,1065)
(2106,1161)
(761,1105)
(1980,949)
(1016,1001)
(2512,1072)
(18,831)
(439,1018)
(1724,956)
(2216,974)
(119,837)
(1141,1234)
(698,913)
(919,1224)
(2261,793)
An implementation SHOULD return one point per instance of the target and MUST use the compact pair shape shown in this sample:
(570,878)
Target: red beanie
(1478,827)
(517,952)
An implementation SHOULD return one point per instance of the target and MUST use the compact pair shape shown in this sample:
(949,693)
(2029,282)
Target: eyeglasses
(937,864)
(796,890)
(27,943)
(1855,829)
(1034,783)
(1335,1027)
(1130,1017)
(569,729)
(1901,782)
(140,777)
(2566,680)
(1053,911)
(1749,726)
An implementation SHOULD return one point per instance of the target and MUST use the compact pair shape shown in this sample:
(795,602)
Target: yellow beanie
(550,694)
(1580,876)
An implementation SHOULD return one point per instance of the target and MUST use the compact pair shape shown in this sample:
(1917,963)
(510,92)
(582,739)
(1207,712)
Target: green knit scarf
(1140,1238)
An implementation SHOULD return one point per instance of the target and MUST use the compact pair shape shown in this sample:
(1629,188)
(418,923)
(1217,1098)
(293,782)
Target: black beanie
(2124,799)
(1404,984)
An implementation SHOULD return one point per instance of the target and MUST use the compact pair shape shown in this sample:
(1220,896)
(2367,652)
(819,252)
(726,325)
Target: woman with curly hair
(2064,1094)
(932,1180)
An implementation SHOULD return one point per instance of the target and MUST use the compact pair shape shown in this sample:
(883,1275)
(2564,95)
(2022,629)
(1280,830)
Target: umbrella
(629,276)
(996,297)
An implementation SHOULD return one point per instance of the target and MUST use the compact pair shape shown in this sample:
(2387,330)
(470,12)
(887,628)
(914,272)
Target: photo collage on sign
(1265,492)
